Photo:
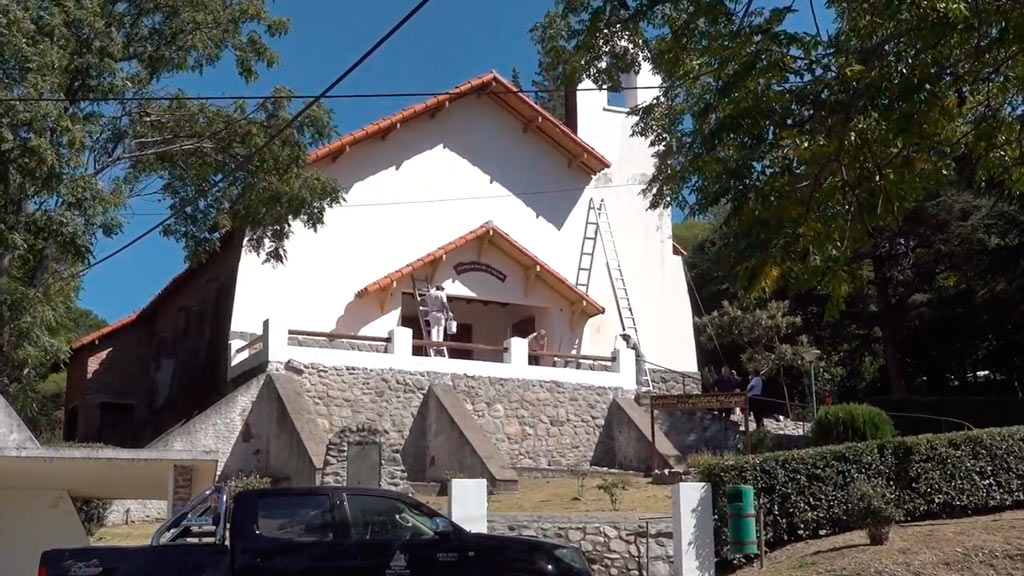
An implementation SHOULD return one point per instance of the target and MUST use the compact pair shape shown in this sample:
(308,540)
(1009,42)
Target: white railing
(244,356)
(273,346)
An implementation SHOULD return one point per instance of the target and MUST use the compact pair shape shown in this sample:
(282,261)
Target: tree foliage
(71,166)
(818,145)
(516,80)
(688,232)
(550,36)
(767,336)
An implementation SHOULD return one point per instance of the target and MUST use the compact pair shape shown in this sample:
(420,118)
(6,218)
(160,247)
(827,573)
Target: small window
(376,517)
(295,517)
(71,424)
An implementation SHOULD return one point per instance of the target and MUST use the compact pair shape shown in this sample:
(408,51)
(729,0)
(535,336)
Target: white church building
(484,192)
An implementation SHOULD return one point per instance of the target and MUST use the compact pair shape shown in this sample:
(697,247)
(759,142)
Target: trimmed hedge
(807,493)
(851,423)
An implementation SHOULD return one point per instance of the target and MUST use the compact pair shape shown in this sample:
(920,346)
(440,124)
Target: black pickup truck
(316,531)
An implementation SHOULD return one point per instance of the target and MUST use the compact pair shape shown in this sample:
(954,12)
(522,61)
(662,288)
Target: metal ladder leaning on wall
(420,287)
(599,227)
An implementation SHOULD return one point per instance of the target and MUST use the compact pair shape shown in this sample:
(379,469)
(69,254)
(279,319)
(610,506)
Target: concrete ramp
(13,432)
(447,440)
(625,441)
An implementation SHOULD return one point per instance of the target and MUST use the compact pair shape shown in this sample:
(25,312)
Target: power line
(354,96)
(236,169)
(510,195)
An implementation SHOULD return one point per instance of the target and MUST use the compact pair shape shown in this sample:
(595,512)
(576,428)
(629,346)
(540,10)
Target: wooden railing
(254,343)
(584,357)
(458,346)
(337,336)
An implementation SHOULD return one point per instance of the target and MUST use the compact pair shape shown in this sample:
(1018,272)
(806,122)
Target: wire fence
(960,424)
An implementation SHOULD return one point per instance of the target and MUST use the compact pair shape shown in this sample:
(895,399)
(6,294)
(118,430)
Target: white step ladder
(420,287)
(599,227)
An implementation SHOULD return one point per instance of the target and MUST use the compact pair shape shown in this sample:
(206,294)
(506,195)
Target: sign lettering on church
(477,266)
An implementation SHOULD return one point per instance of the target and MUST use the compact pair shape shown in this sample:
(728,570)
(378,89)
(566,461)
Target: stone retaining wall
(533,423)
(614,544)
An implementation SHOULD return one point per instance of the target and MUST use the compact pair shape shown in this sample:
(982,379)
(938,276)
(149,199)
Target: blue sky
(448,42)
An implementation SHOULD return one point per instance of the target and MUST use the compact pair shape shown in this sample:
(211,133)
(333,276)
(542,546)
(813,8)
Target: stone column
(517,352)
(693,530)
(624,362)
(180,489)
(467,503)
(400,341)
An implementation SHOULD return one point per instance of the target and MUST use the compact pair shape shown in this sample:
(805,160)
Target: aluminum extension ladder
(598,227)
(420,288)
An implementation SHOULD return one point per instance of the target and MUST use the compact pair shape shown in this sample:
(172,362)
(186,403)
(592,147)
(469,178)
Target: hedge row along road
(806,493)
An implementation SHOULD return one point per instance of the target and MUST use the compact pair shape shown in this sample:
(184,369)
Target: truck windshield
(295,517)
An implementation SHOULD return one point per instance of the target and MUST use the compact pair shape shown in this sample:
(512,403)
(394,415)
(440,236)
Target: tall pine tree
(550,36)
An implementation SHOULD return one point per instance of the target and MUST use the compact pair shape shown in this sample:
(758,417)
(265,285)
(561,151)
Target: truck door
(390,537)
(286,534)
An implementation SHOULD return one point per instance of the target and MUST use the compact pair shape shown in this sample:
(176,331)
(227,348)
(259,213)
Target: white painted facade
(438,178)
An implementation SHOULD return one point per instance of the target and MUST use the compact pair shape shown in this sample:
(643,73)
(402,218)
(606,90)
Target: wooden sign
(717,401)
(477,266)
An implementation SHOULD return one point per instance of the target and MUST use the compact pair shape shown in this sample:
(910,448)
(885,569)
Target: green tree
(71,166)
(40,404)
(516,80)
(818,145)
(688,232)
(550,38)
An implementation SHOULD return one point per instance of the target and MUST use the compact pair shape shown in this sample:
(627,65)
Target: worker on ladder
(439,312)
(633,345)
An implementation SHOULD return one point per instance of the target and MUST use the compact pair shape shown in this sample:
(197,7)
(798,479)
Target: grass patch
(977,546)
(559,496)
(124,535)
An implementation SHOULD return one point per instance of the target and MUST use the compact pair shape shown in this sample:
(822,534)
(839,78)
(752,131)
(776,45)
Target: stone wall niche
(357,455)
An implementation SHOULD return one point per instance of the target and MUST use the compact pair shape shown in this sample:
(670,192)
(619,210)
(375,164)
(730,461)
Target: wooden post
(746,426)
(654,446)
(760,532)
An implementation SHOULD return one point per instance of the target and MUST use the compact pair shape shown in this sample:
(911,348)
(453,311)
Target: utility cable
(266,97)
(510,195)
(237,168)
(703,313)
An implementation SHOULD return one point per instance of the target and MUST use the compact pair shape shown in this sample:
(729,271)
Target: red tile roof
(504,94)
(500,91)
(151,305)
(507,244)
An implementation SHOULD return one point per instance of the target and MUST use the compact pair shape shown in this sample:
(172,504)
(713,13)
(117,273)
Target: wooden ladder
(420,288)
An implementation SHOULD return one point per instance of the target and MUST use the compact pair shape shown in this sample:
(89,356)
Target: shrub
(92,513)
(247,481)
(850,423)
(613,487)
(805,493)
(580,471)
(873,511)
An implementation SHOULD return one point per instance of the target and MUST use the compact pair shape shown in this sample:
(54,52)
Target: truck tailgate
(168,560)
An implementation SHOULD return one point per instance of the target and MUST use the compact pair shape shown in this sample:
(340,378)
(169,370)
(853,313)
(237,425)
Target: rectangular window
(376,517)
(117,421)
(306,518)
(71,424)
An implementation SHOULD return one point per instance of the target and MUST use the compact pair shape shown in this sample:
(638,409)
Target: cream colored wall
(33,521)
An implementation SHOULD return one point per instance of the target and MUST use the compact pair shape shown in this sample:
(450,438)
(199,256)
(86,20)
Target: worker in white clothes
(633,345)
(438,312)
(537,342)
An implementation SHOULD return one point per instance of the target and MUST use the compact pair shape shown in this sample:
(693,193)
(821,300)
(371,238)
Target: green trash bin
(742,520)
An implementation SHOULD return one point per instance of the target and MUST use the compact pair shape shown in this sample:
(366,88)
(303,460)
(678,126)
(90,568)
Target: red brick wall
(188,325)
